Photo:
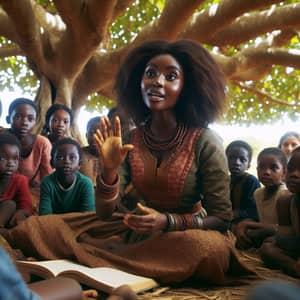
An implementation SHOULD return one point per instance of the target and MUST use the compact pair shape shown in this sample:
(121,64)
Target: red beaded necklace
(154,144)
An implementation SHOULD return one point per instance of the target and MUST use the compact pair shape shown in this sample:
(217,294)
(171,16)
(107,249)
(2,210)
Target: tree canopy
(69,51)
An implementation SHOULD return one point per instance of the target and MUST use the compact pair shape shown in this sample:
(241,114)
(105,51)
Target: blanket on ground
(236,292)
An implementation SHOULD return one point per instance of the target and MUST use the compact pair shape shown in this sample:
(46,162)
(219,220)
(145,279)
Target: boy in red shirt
(15,200)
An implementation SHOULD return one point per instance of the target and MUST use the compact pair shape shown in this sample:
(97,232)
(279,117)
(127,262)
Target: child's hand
(243,241)
(147,221)
(89,295)
(123,292)
(18,217)
(109,144)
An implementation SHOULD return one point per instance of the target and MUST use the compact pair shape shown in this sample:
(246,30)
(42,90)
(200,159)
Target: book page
(54,266)
(114,278)
(102,278)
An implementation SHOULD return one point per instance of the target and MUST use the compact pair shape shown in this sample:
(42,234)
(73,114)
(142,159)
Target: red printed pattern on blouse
(162,187)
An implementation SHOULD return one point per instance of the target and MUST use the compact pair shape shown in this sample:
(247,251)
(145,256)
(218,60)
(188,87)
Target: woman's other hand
(148,222)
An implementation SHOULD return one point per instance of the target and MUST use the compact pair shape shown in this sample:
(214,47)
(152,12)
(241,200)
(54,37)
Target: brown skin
(59,125)
(10,216)
(275,257)
(66,161)
(270,172)
(161,85)
(271,253)
(22,120)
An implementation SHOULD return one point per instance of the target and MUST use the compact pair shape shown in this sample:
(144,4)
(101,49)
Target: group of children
(268,217)
(39,173)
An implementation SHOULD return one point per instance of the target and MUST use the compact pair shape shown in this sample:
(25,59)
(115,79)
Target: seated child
(34,160)
(15,200)
(126,124)
(90,156)
(66,190)
(58,120)
(12,286)
(289,141)
(271,171)
(283,250)
(242,184)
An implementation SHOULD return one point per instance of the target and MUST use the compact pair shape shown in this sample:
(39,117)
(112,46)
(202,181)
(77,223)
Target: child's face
(91,132)
(66,159)
(289,144)
(23,119)
(293,173)
(238,160)
(9,160)
(270,170)
(59,123)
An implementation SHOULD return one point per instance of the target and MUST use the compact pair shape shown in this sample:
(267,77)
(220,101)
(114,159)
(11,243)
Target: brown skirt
(168,257)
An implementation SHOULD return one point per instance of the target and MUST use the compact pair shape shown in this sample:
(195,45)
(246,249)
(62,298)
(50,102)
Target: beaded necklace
(154,144)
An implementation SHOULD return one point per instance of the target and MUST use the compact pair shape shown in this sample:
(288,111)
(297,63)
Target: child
(66,190)
(34,160)
(242,184)
(283,250)
(58,120)
(90,155)
(271,171)
(126,123)
(15,201)
(289,141)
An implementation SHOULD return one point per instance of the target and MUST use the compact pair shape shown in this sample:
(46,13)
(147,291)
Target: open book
(101,278)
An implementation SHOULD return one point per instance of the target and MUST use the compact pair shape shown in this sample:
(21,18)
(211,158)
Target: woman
(171,91)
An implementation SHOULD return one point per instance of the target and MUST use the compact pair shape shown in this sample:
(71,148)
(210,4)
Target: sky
(266,135)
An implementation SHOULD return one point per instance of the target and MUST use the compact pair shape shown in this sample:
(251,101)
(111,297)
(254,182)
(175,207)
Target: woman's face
(162,82)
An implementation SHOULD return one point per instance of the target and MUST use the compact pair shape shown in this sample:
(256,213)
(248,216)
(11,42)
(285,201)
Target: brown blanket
(168,257)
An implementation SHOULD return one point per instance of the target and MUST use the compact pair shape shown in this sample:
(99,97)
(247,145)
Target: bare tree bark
(210,21)
(248,27)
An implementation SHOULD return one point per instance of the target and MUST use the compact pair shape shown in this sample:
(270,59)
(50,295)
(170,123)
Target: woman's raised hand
(109,144)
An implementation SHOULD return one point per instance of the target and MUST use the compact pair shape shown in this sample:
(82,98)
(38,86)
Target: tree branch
(272,56)
(251,26)
(173,19)
(6,27)
(10,51)
(69,11)
(242,66)
(120,8)
(206,23)
(98,72)
(21,12)
(263,95)
(86,23)
(99,15)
